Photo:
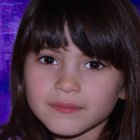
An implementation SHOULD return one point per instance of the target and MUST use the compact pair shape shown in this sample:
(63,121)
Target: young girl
(76,72)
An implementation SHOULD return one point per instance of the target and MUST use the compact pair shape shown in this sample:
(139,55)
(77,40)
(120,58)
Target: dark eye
(48,60)
(94,64)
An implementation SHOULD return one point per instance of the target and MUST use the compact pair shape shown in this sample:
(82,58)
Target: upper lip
(66,105)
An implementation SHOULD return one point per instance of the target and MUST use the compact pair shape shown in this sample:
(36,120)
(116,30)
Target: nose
(67,83)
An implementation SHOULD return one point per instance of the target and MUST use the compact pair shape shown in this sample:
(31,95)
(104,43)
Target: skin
(70,77)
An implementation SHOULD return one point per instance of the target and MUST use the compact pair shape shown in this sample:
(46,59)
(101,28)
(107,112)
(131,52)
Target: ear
(122,94)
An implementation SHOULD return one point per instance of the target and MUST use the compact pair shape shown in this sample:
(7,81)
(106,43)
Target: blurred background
(11,12)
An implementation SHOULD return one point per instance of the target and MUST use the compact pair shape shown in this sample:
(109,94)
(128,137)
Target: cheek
(35,85)
(38,80)
(102,93)
(101,103)
(39,83)
(36,92)
(106,83)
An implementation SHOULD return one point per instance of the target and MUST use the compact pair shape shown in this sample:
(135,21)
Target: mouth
(66,108)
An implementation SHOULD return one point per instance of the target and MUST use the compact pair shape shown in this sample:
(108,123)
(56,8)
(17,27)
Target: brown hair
(107,29)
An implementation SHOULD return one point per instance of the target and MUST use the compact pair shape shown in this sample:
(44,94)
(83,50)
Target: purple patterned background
(11,12)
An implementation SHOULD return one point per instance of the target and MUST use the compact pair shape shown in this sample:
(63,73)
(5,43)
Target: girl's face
(70,93)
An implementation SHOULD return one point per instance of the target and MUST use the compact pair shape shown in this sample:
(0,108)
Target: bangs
(98,31)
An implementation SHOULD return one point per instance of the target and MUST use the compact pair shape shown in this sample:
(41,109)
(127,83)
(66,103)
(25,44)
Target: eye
(48,60)
(94,65)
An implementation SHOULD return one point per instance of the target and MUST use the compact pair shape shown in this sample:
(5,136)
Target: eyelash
(48,60)
(95,65)
(92,64)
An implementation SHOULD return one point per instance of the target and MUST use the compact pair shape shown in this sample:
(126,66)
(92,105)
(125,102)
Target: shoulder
(17,138)
(10,138)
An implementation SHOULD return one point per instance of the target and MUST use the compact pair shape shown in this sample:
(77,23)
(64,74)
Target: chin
(65,130)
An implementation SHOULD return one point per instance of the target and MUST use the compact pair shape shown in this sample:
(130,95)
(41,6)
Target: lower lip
(67,110)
